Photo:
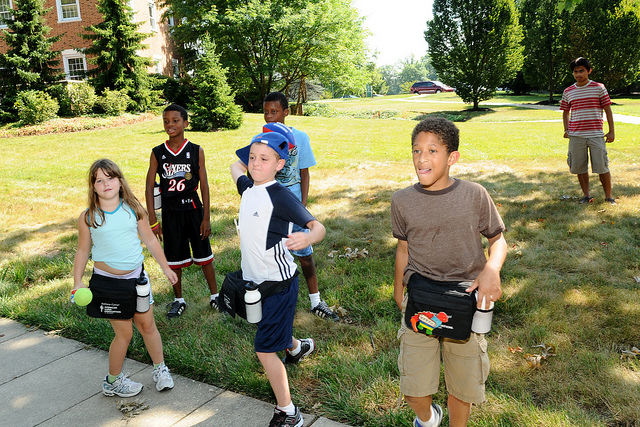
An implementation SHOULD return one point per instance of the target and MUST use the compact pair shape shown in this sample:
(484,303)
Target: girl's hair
(112,170)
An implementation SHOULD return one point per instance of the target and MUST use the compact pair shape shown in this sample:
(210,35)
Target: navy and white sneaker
(281,419)
(323,311)
(436,411)
(307,345)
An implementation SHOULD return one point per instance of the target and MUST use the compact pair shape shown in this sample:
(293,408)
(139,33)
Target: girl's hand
(171,275)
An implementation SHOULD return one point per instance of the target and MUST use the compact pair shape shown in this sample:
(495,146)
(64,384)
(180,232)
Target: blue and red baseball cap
(281,129)
(275,140)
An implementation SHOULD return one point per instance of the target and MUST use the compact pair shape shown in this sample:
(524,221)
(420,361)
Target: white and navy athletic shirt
(267,212)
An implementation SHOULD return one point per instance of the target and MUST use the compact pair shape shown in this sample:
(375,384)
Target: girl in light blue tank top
(112,230)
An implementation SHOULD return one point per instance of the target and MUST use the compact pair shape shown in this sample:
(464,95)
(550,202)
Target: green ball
(82,297)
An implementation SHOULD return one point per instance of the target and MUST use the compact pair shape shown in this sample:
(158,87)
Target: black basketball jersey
(179,173)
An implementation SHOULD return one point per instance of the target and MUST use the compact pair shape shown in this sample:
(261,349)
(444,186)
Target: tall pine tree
(116,41)
(30,62)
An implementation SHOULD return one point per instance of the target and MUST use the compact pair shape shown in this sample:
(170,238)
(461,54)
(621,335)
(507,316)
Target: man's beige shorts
(580,149)
(466,365)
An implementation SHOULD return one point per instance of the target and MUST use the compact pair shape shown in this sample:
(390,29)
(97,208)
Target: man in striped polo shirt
(582,105)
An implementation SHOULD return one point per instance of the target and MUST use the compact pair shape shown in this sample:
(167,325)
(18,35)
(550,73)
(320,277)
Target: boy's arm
(611,136)
(205,227)
(150,241)
(565,122)
(301,240)
(237,170)
(488,281)
(304,185)
(82,253)
(402,259)
(148,194)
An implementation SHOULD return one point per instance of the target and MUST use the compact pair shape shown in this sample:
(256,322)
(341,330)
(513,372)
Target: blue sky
(397,27)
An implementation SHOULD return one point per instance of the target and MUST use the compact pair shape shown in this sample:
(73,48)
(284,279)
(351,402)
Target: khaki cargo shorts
(466,365)
(580,149)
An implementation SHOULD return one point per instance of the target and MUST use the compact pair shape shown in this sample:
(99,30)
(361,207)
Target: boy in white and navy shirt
(268,211)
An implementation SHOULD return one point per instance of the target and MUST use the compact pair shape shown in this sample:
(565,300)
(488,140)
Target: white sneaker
(122,387)
(162,378)
(436,417)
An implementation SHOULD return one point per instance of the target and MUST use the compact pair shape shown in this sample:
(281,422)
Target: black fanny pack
(231,297)
(113,298)
(443,309)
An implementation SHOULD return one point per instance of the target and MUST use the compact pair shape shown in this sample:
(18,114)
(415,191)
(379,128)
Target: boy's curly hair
(444,129)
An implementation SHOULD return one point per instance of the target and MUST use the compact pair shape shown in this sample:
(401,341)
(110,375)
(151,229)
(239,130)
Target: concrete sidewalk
(47,380)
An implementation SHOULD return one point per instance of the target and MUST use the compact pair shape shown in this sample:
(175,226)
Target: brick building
(70,17)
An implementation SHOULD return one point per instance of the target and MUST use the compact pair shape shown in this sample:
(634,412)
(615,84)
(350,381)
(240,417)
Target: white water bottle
(143,289)
(253,303)
(483,317)
(157,198)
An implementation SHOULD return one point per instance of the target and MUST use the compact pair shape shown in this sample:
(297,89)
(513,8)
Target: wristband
(154,225)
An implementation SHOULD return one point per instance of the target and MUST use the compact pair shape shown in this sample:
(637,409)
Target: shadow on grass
(567,280)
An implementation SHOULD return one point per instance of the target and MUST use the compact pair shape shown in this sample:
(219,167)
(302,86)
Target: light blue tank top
(116,242)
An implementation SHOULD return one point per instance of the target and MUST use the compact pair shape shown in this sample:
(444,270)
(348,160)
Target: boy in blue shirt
(295,176)
(267,211)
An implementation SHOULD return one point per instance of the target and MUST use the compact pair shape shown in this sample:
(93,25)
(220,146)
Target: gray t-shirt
(443,229)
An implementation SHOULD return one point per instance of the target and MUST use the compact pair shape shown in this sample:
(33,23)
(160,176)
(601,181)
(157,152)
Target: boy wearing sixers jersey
(582,105)
(186,220)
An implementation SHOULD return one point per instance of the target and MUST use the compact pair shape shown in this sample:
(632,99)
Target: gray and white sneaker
(323,311)
(122,387)
(162,378)
(436,411)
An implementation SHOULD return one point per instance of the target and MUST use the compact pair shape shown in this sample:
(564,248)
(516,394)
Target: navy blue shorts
(181,235)
(275,330)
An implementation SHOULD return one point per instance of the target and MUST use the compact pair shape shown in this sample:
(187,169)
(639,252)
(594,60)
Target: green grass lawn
(568,279)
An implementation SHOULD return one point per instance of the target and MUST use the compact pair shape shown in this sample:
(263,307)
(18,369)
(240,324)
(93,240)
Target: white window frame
(3,25)
(61,14)
(158,63)
(72,54)
(153,15)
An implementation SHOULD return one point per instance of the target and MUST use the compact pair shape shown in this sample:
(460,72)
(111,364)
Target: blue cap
(275,140)
(281,129)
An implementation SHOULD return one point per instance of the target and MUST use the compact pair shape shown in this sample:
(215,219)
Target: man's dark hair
(580,61)
(180,109)
(279,97)
(442,128)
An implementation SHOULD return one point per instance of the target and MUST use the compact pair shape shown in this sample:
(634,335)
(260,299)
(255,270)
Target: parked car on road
(430,87)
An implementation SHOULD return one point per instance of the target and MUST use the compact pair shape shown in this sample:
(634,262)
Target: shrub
(323,110)
(114,102)
(35,106)
(82,98)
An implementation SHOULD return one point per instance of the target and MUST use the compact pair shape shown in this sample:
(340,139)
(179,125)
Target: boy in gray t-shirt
(439,223)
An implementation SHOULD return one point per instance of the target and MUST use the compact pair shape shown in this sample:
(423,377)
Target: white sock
(296,351)
(180,300)
(290,409)
(315,299)
(431,422)
(214,296)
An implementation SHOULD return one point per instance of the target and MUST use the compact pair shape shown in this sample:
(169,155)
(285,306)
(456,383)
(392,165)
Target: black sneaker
(323,311)
(586,199)
(176,309)
(281,419)
(307,346)
(214,304)
(611,200)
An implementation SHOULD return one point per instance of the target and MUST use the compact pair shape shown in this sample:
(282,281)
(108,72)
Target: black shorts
(180,230)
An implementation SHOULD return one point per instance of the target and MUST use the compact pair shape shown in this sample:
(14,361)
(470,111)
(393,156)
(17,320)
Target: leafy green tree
(546,44)
(607,32)
(30,62)
(213,106)
(116,41)
(474,45)
(268,45)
